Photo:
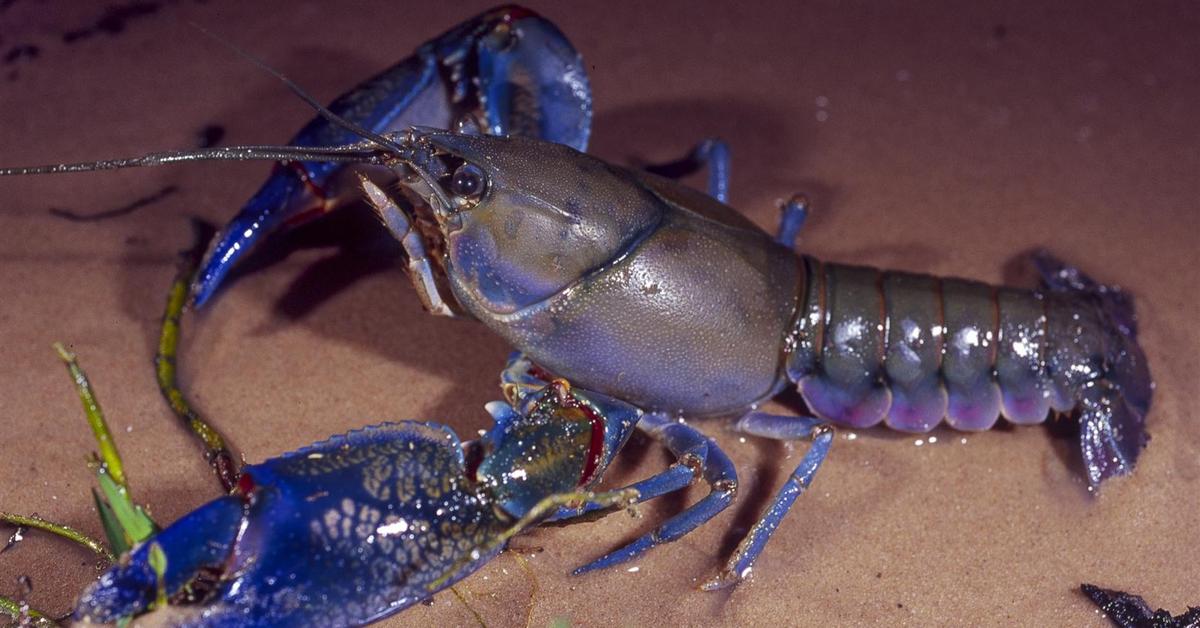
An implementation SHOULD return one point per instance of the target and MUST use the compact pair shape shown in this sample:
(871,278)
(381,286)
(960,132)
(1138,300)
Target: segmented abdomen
(870,345)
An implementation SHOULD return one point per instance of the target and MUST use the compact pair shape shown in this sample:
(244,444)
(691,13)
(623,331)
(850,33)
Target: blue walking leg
(779,427)
(701,457)
(794,213)
(713,153)
(678,476)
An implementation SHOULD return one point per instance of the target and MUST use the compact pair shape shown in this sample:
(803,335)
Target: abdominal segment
(909,349)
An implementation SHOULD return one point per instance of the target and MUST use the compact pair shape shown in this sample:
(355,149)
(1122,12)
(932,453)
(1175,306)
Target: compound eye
(468,182)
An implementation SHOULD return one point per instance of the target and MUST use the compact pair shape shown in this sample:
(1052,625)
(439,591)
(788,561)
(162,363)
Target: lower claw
(342,532)
(365,524)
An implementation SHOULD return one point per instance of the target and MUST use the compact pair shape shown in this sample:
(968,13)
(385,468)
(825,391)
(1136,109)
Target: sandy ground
(945,139)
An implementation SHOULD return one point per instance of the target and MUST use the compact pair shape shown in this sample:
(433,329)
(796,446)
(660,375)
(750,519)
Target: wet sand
(946,139)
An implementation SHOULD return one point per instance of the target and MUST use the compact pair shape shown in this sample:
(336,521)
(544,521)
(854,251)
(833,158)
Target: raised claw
(507,71)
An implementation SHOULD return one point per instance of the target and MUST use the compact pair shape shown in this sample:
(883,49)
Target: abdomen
(909,349)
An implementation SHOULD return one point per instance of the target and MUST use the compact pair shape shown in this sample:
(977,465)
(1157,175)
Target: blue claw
(261,214)
(532,82)
(201,539)
(342,532)
(507,71)
(362,525)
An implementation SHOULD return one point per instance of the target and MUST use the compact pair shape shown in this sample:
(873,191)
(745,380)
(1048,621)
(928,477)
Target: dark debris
(113,20)
(115,212)
(21,51)
(1131,611)
(210,135)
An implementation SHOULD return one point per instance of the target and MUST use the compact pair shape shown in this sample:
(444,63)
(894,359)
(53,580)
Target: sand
(944,138)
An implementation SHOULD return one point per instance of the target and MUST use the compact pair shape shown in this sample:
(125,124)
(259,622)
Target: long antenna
(348,153)
(358,152)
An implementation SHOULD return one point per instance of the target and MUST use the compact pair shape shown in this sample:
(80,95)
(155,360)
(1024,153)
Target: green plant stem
(95,417)
(67,532)
(13,607)
(216,452)
(474,613)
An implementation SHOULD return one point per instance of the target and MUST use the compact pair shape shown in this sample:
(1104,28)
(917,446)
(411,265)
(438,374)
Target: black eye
(467,181)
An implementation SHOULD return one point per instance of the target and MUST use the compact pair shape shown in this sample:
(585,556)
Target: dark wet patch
(115,212)
(999,31)
(113,20)
(22,51)
(210,135)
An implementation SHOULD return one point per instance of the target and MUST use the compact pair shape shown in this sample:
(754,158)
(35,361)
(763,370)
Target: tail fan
(1113,410)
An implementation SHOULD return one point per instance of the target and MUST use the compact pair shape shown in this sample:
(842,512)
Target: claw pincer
(507,71)
(364,524)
